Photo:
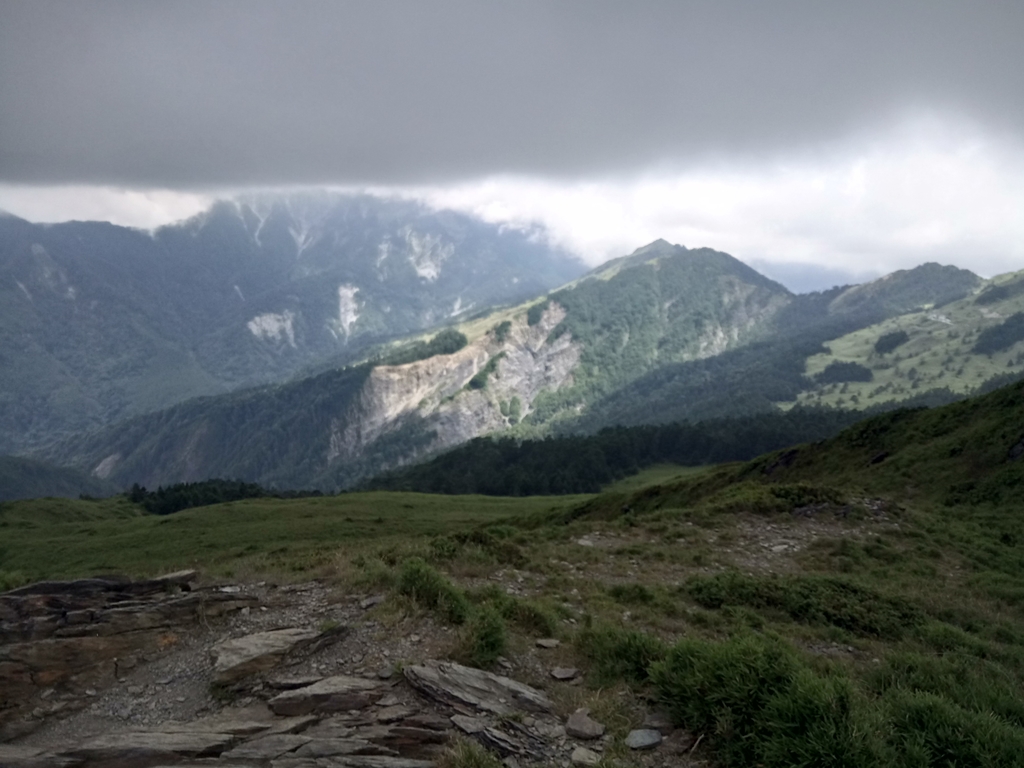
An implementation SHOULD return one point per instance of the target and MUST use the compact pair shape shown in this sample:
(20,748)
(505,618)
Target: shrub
(486,638)
(464,753)
(758,705)
(810,600)
(839,373)
(971,683)
(501,331)
(928,730)
(619,654)
(525,613)
(430,589)
(889,341)
(12,580)
(631,594)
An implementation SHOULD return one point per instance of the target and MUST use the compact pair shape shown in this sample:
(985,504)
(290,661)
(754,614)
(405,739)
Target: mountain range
(315,340)
(667,333)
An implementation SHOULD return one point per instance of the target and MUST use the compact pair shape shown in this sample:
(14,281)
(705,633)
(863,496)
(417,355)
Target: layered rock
(71,637)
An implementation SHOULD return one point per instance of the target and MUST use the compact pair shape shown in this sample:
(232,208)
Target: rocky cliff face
(484,387)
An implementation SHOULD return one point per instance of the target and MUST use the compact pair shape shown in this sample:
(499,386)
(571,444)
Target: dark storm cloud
(238,93)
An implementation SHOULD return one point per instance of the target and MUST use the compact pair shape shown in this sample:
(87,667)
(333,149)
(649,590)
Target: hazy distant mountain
(22,478)
(99,322)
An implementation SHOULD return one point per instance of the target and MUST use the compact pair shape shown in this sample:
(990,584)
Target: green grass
(656,475)
(52,538)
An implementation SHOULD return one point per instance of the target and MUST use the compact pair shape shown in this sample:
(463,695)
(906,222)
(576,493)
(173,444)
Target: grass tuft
(426,585)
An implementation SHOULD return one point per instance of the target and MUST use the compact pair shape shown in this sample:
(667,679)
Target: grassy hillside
(51,538)
(958,347)
(853,602)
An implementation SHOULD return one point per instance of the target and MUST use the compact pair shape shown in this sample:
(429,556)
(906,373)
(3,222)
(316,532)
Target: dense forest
(174,498)
(1000,337)
(583,464)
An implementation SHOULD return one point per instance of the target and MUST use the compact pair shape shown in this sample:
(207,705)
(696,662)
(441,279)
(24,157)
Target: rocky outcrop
(468,689)
(333,694)
(60,640)
(434,391)
(285,710)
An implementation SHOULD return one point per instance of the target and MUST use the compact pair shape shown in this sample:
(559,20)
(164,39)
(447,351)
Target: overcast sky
(859,137)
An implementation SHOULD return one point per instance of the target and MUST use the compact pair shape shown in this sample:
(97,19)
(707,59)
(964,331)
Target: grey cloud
(203,94)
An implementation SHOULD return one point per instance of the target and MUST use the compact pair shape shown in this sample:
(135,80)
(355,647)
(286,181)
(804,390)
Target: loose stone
(581,726)
(644,738)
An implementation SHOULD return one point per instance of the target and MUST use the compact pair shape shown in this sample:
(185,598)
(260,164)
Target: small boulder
(643,738)
(548,642)
(564,673)
(584,756)
(468,724)
(581,726)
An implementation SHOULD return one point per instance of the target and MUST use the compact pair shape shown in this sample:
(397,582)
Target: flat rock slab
(267,747)
(332,694)
(581,726)
(341,747)
(468,724)
(395,713)
(564,673)
(548,642)
(473,690)
(243,722)
(352,761)
(148,747)
(290,682)
(643,738)
(12,756)
(244,656)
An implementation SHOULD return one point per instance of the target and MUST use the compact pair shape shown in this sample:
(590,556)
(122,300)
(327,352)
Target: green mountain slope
(956,347)
(753,378)
(663,304)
